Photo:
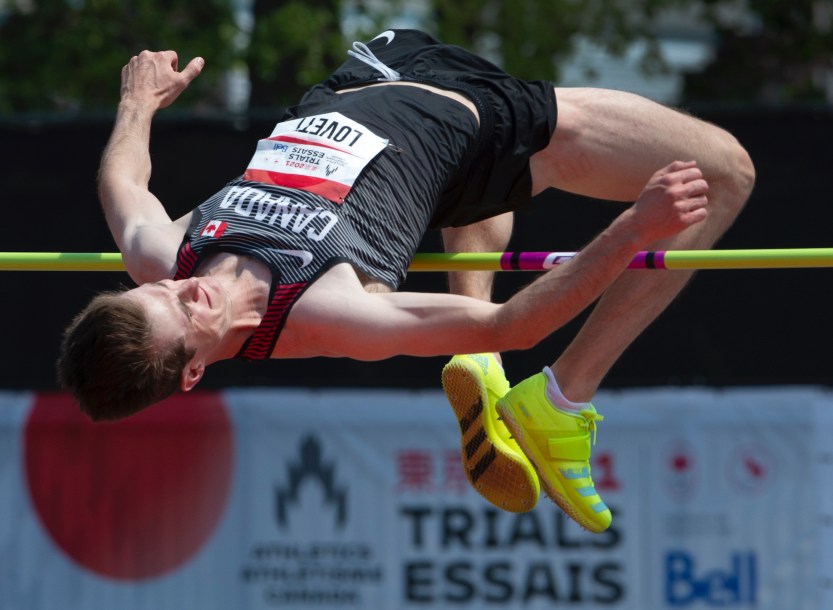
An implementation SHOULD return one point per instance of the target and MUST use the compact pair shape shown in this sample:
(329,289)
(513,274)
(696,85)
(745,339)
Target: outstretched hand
(153,78)
(674,198)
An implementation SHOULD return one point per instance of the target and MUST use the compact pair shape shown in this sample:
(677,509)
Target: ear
(191,374)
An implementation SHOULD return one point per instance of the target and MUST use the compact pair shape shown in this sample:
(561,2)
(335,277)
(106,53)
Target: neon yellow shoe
(493,462)
(558,443)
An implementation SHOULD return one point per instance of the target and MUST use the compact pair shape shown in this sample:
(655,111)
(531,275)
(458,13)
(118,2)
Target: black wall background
(728,327)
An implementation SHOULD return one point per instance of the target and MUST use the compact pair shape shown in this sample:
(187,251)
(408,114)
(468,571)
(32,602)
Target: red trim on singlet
(185,261)
(260,345)
(328,189)
(262,342)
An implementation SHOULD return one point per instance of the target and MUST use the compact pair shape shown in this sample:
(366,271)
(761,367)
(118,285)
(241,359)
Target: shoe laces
(363,53)
(590,419)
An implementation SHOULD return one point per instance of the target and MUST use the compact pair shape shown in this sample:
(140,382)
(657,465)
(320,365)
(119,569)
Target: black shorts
(517,119)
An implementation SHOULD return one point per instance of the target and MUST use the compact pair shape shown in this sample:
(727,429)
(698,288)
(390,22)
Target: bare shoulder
(325,314)
(153,251)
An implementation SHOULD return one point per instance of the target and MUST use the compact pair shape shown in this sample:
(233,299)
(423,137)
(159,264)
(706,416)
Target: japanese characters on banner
(301,499)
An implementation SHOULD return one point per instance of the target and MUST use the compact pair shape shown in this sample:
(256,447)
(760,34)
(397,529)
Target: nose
(188,290)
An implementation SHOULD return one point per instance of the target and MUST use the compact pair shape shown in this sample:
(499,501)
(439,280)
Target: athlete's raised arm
(142,228)
(340,319)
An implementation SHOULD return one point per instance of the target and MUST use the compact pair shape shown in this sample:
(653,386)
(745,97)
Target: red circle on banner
(132,499)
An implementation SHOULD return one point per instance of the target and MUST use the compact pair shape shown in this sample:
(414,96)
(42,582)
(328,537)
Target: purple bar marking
(638,261)
(659,259)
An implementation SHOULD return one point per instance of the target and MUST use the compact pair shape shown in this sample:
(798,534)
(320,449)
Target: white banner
(280,498)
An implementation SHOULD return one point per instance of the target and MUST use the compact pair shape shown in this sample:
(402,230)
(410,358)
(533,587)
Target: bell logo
(310,465)
(734,586)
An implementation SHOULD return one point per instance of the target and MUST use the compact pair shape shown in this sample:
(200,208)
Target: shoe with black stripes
(494,464)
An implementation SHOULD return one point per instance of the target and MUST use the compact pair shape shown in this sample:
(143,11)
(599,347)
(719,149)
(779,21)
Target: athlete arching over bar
(300,255)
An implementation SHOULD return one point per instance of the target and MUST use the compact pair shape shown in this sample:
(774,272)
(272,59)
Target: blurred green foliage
(66,55)
(534,37)
(782,54)
(293,45)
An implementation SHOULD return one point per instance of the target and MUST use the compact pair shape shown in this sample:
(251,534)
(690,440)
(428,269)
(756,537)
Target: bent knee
(740,169)
(734,180)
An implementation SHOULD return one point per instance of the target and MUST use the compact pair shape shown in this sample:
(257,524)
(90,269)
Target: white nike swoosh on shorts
(304,255)
(386,34)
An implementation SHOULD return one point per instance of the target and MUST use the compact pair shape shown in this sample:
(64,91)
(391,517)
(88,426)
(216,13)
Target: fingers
(170,58)
(173,58)
(679,165)
(675,198)
(691,204)
(193,69)
(684,171)
(153,77)
(695,214)
(682,180)
(692,201)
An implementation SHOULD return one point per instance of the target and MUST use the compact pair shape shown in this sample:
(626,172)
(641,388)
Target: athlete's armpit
(362,326)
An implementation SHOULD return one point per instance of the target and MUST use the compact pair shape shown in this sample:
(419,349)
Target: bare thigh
(608,143)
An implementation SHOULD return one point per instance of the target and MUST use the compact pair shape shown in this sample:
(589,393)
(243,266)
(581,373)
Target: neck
(246,284)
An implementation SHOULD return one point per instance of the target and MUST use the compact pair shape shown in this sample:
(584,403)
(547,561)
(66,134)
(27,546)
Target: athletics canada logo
(317,560)
(311,465)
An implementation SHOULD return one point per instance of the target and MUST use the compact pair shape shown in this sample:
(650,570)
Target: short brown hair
(109,360)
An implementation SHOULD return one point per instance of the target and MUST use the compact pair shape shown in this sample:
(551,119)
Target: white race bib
(321,154)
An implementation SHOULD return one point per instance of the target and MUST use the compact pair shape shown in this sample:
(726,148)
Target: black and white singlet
(359,177)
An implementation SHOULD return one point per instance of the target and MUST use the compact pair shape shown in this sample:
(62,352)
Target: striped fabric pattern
(299,236)
(262,342)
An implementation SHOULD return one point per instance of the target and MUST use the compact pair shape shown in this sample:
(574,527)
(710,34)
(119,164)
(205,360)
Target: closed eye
(186,309)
